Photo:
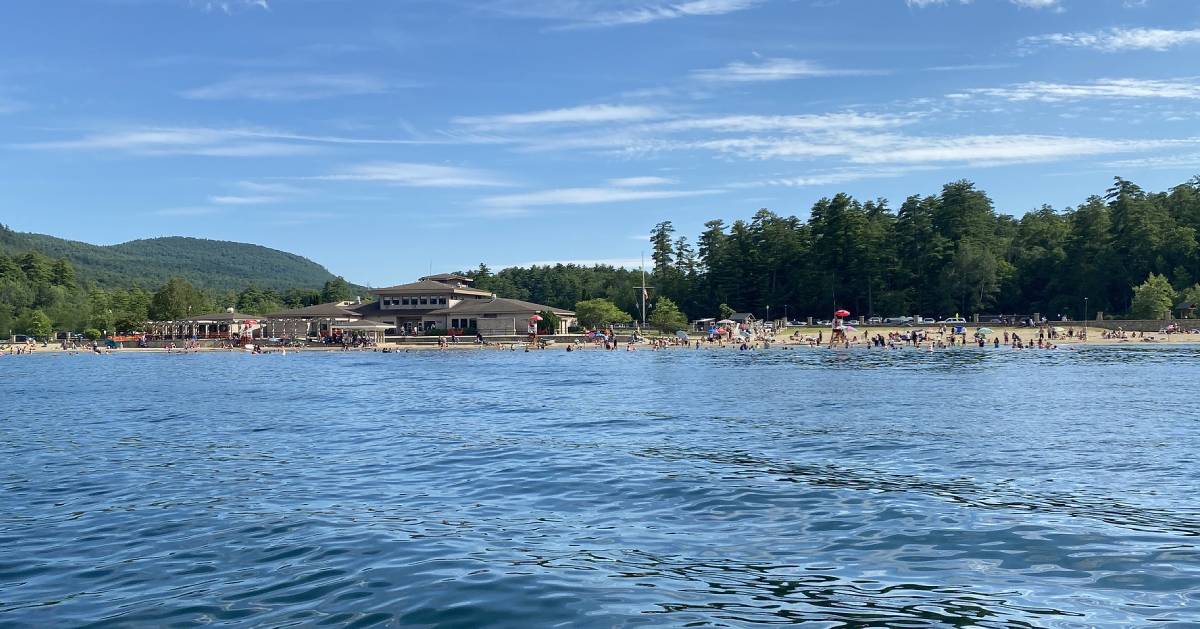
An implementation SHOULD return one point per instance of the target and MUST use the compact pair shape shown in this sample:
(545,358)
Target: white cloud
(229,6)
(1029,4)
(1188,89)
(417,175)
(583,114)
(207,141)
(1116,39)
(285,87)
(775,69)
(606,13)
(787,123)
(8,105)
(992,150)
(1186,161)
(587,196)
(243,200)
(638,182)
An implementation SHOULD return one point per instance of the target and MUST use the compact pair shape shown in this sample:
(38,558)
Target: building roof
(498,306)
(741,316)
(428,286)
(362,325)
(442,277)
(223,317)
(332,309)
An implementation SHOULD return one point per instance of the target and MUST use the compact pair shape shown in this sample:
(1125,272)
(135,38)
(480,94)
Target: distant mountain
(207,264)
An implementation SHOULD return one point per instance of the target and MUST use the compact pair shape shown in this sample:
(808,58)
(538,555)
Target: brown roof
(222,316)
(427,286)
(320,310)
(498,306)
(441,277)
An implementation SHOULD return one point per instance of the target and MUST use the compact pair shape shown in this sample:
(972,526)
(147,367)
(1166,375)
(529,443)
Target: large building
(448,302)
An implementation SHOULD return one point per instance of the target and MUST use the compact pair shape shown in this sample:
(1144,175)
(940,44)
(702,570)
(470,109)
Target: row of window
(413,301)
(463,324)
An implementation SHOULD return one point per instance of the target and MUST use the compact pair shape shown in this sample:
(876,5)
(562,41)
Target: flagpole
(643,289)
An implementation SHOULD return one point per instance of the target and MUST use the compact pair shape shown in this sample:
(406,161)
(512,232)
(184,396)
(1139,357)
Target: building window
(490,315)
(404,300)
(424,301)
(473,324)
(442,301)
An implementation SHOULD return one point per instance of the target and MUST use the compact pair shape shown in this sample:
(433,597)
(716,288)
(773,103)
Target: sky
(387,138)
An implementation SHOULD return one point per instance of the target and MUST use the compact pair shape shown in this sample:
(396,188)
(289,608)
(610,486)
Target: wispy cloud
(774,69)
(1188,89)
(588,196)
(243,199)
(638,182)
(286,87)
(9,105)
(1055,5)
(993,150)
(208,141)
(583,114)
(1185,161)
(229,6)
(1115,39)
(787,123)
(608,13)
(417,175)
(970,67)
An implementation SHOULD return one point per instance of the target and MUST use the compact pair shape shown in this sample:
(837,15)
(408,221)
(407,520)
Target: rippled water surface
(699,488)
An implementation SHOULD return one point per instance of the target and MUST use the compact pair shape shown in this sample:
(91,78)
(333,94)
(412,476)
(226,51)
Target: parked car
(928,320)
(875,320)
(953,320)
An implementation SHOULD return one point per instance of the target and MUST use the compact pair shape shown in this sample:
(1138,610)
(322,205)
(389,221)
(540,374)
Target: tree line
(1129,252)
(935,255)
(40,295)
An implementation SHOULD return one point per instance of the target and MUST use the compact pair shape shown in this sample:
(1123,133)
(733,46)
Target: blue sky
(385,137)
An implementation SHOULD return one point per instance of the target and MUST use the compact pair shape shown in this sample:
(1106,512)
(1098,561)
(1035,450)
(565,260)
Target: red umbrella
(842,313)
(535,318)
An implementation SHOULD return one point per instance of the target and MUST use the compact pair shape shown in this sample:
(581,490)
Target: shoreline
(858,342)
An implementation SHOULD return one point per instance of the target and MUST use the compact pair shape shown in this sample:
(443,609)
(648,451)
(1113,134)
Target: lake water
(986,488)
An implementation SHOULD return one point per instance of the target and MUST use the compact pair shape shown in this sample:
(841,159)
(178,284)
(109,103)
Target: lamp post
(786,320)
(768,314)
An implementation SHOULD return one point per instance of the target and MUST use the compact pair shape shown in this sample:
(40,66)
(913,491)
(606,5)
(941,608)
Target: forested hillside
(935,255)
(208,264)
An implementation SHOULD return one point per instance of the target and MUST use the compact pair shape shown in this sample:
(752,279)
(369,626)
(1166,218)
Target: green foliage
(1153,299)
(91,334)
(549,323)
(600,313)
(35,323)
(177,299)
(666,316)
(724,311)
(336,289)
(207,264)
(253,300)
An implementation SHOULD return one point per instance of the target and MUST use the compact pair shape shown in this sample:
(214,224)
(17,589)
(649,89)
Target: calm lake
(985,488)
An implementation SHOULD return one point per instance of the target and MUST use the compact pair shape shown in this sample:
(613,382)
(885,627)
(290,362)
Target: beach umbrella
(984,331)
(842,313)
(848,327)
(536,317)
(680,334)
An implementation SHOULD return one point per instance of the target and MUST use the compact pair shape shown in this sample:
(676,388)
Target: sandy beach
(793,337)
